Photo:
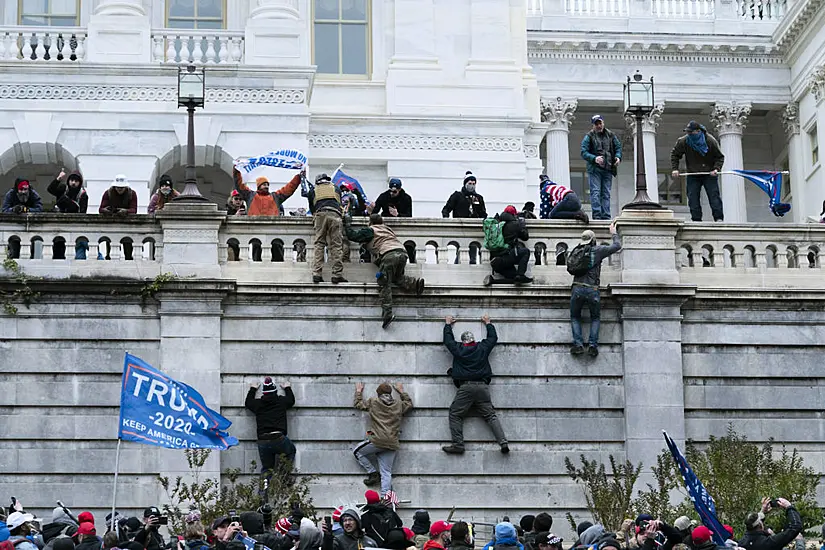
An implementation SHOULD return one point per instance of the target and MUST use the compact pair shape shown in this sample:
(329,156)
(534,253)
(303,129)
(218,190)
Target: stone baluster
(243,252)
(718,257)
(445,255)
(197,49)
(464,254)
(3,50)
(157,49)
(80,50)
(237,49)
(93,251)
(171,53)
(40,48)
(210,50)
(730,119)
(63,47)
(27,47)
(47,252)
(115,251)
(266,253)
(697,257)
(185,52)
(650,123)
(25,250)
(223,47)
(738,258)
(558,113)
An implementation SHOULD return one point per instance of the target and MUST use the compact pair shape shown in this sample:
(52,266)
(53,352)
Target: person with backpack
(585,264)
(508,256)
(378,519)
(559,202)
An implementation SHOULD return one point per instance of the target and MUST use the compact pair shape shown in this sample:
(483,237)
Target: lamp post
(191,94)
(638,102)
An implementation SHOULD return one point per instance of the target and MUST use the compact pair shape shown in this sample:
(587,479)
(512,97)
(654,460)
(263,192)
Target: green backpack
(493,236)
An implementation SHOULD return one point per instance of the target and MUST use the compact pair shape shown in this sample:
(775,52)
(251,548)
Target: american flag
(391,499)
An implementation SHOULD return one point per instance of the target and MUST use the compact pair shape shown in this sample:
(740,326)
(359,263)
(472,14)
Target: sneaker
(317,279)
(593,351)
(336,280)
(488,280)
(419,287)
(523,279)
(453,449)
(374,478)
(387,320)
(576,350)
(505,448)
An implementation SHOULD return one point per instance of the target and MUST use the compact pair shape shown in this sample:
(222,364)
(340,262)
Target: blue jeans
(600,184)
(581,296)
(694,190)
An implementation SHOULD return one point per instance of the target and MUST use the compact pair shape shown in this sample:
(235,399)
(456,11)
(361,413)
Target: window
(341,36)
(195,14)
(49,13)
(814,145)
(580,184)
(671,191)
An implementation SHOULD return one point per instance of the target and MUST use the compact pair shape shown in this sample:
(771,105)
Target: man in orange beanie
(262,202)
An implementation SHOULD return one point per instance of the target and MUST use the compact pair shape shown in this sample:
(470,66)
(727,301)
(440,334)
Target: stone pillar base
(119,39)
(190,239)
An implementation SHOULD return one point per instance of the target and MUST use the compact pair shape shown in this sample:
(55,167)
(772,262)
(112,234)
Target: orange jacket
(258,204)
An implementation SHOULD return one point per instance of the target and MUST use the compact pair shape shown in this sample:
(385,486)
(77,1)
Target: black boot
(372,479)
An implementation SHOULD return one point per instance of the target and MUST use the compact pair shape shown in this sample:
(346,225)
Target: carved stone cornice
(148,93)
(730,117)
(796,21)
(790,118)
(559,113)
(415,142)
(816,83)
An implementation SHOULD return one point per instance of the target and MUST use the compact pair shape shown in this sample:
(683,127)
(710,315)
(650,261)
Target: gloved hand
(18,209)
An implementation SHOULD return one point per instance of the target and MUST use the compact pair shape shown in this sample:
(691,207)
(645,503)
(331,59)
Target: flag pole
(114,524)
(337,170)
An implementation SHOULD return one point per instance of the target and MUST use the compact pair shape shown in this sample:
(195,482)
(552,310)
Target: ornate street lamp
(191,94)
(639,102)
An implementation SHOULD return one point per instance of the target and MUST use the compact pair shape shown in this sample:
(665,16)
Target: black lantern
(191,94)
(639,102)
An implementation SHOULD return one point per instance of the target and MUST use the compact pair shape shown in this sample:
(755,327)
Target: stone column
(816,183)
(277,33)
(190,239)
(803,206)
(119,32)
(532,141)
(730,119)
(558,113)
(649,125)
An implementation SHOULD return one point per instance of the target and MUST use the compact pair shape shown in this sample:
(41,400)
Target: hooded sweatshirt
(505,538)
(311,537)
(347,541)
(385,416)
(70,200)
(61,524)
(591,535)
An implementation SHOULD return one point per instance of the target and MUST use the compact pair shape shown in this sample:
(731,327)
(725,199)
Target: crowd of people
(376,524)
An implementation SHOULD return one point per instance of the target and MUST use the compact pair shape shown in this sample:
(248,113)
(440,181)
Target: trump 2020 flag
(156,409)
(339,178)
(770,183)
(702,501)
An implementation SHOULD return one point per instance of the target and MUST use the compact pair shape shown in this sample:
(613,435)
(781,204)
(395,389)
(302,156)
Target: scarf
(386,398)
(698,142)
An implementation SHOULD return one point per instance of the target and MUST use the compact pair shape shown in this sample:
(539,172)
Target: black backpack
(581,260)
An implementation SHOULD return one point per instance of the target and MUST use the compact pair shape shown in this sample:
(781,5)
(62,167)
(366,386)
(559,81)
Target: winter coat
(593,275)
(460,545)
(513,231)
(24,544)
(150,539)
(465,205)
(89,543)
(346,541)
(386,422)
(471,362)
(402,202)
(420,541)
(70,200)
(159,200)
(377,520)
(258,204)
(53,530)
(694,160)
(432,545)
(606,145)
(762,540)
(33,203)
(311,537)
(270,410)
(115,200)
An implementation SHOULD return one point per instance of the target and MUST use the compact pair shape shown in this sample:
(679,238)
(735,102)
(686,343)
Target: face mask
(166,190)
(470,187)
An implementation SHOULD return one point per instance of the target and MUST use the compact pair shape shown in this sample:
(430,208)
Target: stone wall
(687,349)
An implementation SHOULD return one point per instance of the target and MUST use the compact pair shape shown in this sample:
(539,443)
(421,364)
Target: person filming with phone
(148,535)
(759,537)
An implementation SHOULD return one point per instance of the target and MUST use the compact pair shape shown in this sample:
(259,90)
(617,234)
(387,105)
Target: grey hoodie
(591,535)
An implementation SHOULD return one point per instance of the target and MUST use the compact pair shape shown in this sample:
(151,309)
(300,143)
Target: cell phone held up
(163,520)
(328,522)
(234,517)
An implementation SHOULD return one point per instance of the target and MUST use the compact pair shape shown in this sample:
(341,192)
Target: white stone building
(419,89)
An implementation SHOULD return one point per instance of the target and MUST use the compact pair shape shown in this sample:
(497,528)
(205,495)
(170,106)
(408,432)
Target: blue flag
(770,183)
(158,410)
(702,501)
(339,178)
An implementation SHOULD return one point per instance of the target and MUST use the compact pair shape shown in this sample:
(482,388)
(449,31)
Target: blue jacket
(589,151)
(471,363)
(33,204)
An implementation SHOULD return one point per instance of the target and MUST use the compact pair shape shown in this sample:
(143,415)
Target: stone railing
(534,8)
(612,8)
(761,10)
(40,44)
(197,46)
(683,9)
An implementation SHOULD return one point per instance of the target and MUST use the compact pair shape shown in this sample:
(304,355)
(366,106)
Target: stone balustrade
(683,9)
(40,44)
(208,47)
(613,8)
(761,10)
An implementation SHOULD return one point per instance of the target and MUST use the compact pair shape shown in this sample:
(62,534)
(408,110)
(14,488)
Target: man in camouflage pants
(391,257)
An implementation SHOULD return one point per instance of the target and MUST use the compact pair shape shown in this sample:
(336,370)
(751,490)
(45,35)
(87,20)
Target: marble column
(730,119)
(802,205)
(816,181)
(650,123)
(558,113)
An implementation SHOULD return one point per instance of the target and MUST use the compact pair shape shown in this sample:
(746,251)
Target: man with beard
(71,197)
(22,199)
(353,538)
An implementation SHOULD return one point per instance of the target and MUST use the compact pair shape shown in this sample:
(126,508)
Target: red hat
(408,533)
(511,210)
(86,517)
(701,534)
(86,528)
(234,193)
(283,525)
(22,184)
(336,514)
(729,529)
(439,527)
(372,497)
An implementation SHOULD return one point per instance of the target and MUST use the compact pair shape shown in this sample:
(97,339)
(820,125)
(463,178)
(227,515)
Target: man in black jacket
(394,202)
(148,535)
(471,374)
(465,203)
(270,416)
(758,538)
(511,263)
(71,197)
(353,537)
(377,519)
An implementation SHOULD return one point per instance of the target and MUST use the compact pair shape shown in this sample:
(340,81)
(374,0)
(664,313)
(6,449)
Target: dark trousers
(585,296)
(694,188)
(513,263)
(391,266)
(271,451)
(468,395)
(566,208)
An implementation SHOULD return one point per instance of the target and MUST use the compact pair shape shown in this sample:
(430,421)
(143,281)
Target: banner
(339,178)
(770,183)
(702,501)
(158,410)
(284,158)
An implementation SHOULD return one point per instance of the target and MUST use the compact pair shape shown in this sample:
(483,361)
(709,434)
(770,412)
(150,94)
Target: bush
(214,499)
(608,497)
